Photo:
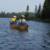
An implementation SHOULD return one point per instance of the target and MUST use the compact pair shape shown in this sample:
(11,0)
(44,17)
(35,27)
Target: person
(22,20)
(13,20)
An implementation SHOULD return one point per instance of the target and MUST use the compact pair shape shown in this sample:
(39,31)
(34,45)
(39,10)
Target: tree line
(43,15)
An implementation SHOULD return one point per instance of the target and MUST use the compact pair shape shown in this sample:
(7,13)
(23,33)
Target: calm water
(37,37)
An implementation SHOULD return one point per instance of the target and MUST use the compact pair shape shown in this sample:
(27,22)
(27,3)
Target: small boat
(19,26)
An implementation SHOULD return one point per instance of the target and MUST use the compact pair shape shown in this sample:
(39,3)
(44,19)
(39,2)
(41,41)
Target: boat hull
(19,27)
(23,28)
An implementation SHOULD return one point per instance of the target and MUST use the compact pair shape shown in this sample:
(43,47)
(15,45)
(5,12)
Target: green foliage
(38,11)
(43,15)
(27,11)
(46,10)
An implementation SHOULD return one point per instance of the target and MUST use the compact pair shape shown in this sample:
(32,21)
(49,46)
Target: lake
(37,37)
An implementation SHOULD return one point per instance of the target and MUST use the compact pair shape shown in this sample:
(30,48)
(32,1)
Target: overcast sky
(18,5)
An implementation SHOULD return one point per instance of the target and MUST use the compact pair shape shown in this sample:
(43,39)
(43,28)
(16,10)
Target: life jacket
(23,20)
(13,19)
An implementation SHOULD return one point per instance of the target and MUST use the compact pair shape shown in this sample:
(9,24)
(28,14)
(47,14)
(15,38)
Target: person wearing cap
(13,19)
(22,20)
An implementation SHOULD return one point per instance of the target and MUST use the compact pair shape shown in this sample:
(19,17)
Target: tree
(38,12)
(27,11)
(3,14)
(35,9)
(46,10)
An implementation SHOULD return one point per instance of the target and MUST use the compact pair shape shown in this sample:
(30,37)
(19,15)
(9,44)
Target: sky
(19,5)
